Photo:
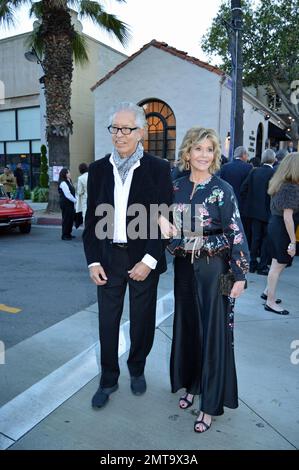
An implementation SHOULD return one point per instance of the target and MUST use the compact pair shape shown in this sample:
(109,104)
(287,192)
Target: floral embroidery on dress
(213,208)
(216,196)
(242,263)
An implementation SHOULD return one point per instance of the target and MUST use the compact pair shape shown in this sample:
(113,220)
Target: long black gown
(202,355)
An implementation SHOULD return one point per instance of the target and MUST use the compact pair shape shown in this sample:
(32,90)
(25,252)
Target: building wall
(20,77)
(252,119)
(101,59)
(196,96)
(225,107)
(191,92)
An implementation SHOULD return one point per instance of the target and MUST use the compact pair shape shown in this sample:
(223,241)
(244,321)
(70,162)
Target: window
(161,139)
(7,125)
(29,123)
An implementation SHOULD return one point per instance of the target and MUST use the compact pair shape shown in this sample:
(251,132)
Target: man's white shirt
(121,196)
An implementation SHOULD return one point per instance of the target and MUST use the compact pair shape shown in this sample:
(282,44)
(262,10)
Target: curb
(47,221)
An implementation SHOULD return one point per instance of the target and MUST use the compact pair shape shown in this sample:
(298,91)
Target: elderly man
(256,206)
(128,176)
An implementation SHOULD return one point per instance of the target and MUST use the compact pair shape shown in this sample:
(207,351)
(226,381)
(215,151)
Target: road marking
(26,410)
(7,309)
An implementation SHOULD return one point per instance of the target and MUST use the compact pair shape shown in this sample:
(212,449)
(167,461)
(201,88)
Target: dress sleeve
(287,197)
(233,229)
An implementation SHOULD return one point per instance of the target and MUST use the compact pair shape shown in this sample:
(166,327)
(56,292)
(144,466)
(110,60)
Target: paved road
(42,276)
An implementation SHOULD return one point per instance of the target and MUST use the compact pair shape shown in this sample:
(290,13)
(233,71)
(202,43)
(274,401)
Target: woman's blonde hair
(193,137)
(287,172)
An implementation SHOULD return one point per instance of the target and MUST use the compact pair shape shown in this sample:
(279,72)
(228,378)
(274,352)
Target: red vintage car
(14,213)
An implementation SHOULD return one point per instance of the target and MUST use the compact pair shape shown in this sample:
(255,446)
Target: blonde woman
(202,356)
(284,192)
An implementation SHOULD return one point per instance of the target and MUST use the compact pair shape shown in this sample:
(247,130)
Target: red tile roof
(164,47)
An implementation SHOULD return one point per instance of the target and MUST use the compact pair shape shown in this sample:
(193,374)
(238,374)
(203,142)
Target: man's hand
(238,289)
(139,272)
(98,275)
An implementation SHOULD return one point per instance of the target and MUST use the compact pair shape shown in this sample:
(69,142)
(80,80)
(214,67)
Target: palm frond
(80,48)
(89,8)
(109,22)
(7,14)
(8,9)
(74,4)
(36,10)
(114,26)
(34,40)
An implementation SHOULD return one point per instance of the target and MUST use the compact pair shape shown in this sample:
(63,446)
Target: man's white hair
(140,119)
(268,156)
(239,151)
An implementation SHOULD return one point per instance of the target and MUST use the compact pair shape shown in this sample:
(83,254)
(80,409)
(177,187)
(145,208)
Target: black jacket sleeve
(90,241)
(156,246)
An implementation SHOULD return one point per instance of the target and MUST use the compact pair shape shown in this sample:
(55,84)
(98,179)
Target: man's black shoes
(101,396)
(138,385)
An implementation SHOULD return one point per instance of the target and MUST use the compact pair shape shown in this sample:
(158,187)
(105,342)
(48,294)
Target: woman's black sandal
(184,399)
(205,425)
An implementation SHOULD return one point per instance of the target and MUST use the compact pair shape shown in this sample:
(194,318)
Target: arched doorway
(259,141)
(161,129)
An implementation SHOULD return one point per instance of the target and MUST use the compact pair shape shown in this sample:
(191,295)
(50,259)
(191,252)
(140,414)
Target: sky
(178,23)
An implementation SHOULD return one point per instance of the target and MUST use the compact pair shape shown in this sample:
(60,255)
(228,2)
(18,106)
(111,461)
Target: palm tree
(59,44)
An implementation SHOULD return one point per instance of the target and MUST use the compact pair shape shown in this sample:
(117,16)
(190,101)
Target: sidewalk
(41,217)
(267,366)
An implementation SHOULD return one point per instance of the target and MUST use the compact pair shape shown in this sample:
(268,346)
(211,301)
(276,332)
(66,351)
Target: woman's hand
(238,289)
(292,249)
(168,230)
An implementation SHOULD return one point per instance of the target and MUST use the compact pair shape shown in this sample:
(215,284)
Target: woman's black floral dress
(202,356)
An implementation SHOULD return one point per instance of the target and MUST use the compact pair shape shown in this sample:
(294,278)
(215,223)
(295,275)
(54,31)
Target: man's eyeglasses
(123,130)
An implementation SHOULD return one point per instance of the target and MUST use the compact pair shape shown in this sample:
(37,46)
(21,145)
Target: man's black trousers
(142,297)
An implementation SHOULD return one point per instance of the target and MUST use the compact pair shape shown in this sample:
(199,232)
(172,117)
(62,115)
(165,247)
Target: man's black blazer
(235,173)
(151,184)
(254,193)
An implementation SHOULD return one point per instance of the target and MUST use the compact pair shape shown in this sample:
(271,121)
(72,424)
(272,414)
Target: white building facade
(177,92)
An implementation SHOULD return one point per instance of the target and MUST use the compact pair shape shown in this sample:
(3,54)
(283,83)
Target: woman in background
(284,192)
(67,203)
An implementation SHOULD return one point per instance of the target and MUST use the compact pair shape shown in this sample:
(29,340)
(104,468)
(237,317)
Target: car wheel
(25,228)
